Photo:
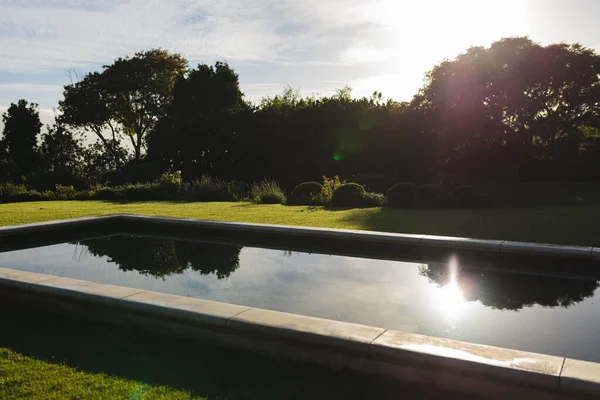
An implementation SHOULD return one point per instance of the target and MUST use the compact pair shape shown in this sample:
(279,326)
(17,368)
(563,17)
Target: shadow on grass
(558,225)
(186,365)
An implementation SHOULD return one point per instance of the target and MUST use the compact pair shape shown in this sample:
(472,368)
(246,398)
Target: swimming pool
(482,301)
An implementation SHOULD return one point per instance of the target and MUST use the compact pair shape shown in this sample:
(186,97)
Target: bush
(10,192)
(65,192)
(348,195)
(429,196)
(209,189)
(402,195)
(47,180)
(138,191)
(107,193)
(483,201)
(373,200)
(329,186)
(464,196)
(267,192)
(308,193)
(170,181)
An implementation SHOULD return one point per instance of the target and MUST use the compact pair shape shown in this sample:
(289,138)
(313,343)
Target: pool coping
(366,349)
(121,222)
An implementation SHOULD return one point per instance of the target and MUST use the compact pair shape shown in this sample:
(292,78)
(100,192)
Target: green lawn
(82,360)
(563,225)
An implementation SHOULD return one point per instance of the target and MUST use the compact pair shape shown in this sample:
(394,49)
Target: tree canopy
(22,126)
(516,100)
(127,97)
(516,110)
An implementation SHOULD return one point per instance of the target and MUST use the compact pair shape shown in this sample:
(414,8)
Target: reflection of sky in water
(389,294)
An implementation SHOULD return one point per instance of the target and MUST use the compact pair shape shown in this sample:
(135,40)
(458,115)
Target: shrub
(464,196)
(373,200)
(428,195)
(329,186)
(483,201)
(107,193)
(10,192)
(267,192)
(138,191)
(402,194)
(348,195)
(208,189)
(170,180)
(64,192)
(308,193)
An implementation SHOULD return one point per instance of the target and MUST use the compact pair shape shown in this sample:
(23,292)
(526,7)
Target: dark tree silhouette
(512,102)
(21,129)
(198,133)
(506,291)
(127,97)
(162,257)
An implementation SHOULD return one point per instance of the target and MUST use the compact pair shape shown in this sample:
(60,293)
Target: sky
(315,46)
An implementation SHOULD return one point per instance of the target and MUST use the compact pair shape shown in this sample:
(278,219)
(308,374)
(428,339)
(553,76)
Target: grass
(83,360)
(576,225)
(27,377)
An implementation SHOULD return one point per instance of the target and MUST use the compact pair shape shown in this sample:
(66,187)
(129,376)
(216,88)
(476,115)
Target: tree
(88,105)
(60,150)
(143,87)
(514,101)
(197,133)
(61,160)
(162,258)
(100,161)
(21,128)
(127,97)
(506,291)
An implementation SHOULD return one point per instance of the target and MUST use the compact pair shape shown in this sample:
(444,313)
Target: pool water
(547,314)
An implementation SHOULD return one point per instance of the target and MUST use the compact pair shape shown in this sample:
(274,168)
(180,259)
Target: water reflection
(162,257)
(450,299)
(501,290)
(456,286)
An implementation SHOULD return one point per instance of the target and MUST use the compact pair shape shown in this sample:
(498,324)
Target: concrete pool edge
(400,355)
(121,222)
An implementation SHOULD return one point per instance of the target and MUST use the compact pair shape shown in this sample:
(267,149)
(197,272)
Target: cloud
(298,42)
(36,36)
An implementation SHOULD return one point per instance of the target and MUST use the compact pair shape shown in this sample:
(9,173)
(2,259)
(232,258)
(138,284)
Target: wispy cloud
(296,42)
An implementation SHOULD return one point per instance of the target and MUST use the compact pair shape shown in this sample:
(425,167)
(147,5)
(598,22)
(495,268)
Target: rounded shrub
(402,194)
(373,199)
(465,196)
(483,200)
(348,195)
(306,193)
(428,195)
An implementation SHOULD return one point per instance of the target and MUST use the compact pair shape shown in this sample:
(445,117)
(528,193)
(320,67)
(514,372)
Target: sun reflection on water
(449,298)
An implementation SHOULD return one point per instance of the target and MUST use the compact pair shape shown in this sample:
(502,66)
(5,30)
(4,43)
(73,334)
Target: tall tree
(22,126)
(127,97)
(197,133)
(518,98)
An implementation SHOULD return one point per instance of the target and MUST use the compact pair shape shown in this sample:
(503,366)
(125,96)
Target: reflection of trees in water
(506,291)
(163,257)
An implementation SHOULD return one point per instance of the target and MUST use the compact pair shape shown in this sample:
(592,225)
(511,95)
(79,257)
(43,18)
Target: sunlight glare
(450,299)
(420,34)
